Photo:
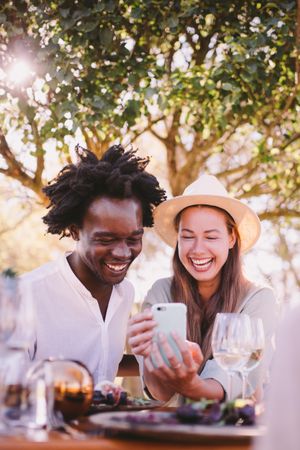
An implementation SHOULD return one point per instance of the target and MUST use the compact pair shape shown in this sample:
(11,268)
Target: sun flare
(19,72)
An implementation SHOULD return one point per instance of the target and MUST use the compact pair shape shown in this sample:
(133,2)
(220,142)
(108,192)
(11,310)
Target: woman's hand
(181,377)
(140,332)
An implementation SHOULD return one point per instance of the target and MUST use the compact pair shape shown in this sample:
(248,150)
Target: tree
(216,82)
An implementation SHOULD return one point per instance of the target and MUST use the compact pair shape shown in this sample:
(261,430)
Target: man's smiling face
(110,238)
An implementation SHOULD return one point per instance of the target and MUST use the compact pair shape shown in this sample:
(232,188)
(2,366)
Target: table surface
(61,441)
(58,442)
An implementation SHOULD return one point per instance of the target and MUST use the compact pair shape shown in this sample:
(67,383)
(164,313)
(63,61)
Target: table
(100,440)
(58,443)
(61,441)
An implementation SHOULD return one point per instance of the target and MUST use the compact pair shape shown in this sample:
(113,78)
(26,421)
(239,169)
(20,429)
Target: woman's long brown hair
(201,314)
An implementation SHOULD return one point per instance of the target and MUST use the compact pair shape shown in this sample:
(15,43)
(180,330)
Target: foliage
(216,82)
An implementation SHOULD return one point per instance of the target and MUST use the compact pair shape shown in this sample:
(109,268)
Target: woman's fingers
(155,362)
(141,317)
(169,353)
(143,349)
(140,323)
(190,351)
(140,332)
(196,352)
(144,315)
(140,343)
(135,340)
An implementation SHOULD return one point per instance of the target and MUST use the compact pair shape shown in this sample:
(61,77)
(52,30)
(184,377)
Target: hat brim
(247,222)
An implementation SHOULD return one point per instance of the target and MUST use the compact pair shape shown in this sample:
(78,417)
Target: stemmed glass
(256,346)
(17,334)
(230,335)
(36,379)
(9,304)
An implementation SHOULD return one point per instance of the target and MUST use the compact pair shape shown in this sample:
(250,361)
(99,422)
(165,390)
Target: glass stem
(229,388)
(245,383)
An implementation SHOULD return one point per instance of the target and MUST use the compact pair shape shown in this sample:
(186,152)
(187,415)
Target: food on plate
(204,412)
(109,394)
(208,412)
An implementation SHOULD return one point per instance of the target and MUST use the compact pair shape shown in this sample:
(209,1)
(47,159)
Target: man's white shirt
(69,323)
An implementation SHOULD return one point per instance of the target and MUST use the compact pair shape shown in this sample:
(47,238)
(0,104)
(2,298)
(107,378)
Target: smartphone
(169,317)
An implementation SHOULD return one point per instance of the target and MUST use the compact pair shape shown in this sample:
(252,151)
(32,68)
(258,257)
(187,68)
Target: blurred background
(200,87)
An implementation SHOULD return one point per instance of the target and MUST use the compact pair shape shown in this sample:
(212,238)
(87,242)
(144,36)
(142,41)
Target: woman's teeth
(202,263)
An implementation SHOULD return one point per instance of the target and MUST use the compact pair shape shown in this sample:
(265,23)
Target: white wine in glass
(229,343)
(256,345)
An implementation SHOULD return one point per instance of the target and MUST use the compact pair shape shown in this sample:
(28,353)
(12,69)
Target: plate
(133,424)
(135,405)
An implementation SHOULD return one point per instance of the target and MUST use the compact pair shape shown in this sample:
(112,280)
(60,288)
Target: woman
(209,230)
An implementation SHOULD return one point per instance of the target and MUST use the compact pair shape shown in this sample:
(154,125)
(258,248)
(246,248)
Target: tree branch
(297,65)
(16,171)
(91,145)
(40,161)
(163,139)
(292,139)
(236,170)
(280,212)
(170,142)
(148,128)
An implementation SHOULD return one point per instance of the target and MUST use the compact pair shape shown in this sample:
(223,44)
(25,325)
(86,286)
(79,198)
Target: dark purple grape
(188,414)
(98,397)
(110,398)
(231,415)
(214,414)
(123,398)
(247,414)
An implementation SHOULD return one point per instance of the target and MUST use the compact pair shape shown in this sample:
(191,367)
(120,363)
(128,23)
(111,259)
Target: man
(83,300)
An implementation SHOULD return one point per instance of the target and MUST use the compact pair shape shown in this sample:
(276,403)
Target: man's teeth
(203,263)
(116,267)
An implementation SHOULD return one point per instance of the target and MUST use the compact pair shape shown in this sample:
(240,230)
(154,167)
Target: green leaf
(210,85)
(89,25)
(64,12)
(98,102)
(133,79)
(238,58)
(110,5)
(99,7)
(172,21)
(60,75)
(227,86)
(252,67)
(59,111)
(136,13)
(149,92)
(106,37)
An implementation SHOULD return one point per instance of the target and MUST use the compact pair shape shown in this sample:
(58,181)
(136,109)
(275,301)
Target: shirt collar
(116,297)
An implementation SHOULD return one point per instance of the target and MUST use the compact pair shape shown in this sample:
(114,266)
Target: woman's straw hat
(207,190)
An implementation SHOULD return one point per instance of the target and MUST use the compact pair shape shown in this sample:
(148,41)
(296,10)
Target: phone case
(169,317)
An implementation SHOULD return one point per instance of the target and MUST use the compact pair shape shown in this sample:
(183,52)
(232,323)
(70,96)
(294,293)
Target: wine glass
(9,304)
(17,334)
(230,335)
(256,346)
